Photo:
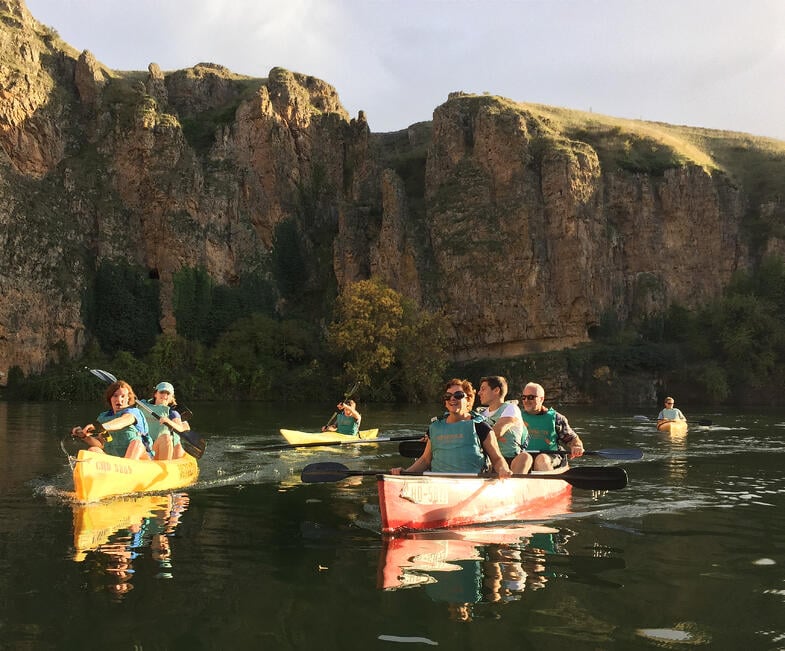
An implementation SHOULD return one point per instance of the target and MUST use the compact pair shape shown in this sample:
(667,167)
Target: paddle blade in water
(193,444)
(328,471)
(596,478)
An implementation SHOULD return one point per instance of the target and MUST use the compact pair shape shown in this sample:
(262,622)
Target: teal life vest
(455,447)
(671,413)
(346,424)
(121,439)
(512,441)
(542,430)
(155,426)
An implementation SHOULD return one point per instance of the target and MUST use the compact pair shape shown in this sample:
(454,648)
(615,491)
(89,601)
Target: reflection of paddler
(95,523)
(461,585)
(116,531)
(504,576)
(119,569)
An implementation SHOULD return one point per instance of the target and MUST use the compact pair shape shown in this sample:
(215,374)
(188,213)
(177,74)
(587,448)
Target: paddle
(349,393)
(591,478)
(319,444)
(414,449)
(192,443)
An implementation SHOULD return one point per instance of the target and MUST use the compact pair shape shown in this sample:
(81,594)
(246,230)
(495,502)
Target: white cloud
(713,63)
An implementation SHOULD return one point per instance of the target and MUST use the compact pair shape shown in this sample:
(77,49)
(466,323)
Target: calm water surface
(690,555)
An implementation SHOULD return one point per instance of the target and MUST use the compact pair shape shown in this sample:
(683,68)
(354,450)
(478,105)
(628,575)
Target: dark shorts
(557,460)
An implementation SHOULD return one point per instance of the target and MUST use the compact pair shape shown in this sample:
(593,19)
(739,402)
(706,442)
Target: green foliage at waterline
(731,350)
(258,356)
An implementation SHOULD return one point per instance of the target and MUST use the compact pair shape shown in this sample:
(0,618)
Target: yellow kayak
(674,427)
(296,438)
(98,475)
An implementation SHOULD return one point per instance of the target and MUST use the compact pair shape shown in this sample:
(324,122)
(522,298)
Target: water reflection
(112,535)
(677,461)
(466,567)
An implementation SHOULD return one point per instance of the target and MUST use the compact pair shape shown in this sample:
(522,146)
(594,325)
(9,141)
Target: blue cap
(165,386)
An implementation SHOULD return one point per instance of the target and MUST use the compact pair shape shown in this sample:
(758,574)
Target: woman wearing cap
(164,431)
(457,442)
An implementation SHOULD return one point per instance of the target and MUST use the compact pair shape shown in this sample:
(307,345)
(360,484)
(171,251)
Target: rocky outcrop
(518,225)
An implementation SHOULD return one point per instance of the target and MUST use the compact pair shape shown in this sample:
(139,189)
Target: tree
(127,312)
(389,344)
(366,327)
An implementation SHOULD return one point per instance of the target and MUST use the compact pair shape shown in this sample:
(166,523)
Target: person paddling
(547,430)
(347,420)
(120,431)
(669,413)
(165,429)
(457,442)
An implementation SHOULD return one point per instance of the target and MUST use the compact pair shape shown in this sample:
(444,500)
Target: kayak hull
(674,427)
(98,476)
(295,437)
(410,503)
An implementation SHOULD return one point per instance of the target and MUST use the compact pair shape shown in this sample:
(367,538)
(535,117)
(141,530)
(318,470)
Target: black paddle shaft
(589,478)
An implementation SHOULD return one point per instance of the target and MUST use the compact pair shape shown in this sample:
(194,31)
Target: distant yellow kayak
(296,438)
(675,427)
(98,475)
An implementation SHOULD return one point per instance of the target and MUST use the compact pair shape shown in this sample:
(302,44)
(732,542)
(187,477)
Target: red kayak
(435,502)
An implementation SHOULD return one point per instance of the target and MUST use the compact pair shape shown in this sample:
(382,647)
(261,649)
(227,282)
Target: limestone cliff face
(512,222)
(534,242)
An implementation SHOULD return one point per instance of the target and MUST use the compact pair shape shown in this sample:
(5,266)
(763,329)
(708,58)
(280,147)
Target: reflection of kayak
(98,475)
(430,502)
(95,523)
(295,437)
(676,427)
(406,560)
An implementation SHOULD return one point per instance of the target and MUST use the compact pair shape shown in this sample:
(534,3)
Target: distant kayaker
(506,421)
(458,442)
(347,420)
(118,431)
(165,430)
(669,413)
(548,429)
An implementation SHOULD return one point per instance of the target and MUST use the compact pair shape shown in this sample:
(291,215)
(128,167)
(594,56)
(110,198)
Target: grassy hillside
(753,162)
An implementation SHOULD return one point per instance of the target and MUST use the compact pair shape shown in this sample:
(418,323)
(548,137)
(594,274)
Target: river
(690,555)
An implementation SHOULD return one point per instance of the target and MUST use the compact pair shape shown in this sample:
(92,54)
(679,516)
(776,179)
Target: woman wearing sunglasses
(457,442)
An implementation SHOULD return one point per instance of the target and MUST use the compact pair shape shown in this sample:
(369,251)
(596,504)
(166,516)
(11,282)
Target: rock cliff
(526,224)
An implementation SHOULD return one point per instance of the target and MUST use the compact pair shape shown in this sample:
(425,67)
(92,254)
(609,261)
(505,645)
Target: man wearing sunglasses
(669,413)
(458,442)
(548,429)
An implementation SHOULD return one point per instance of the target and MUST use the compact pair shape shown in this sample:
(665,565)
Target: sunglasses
(458,395)
(529,397)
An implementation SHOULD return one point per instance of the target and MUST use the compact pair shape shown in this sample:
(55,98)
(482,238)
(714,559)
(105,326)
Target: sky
(718,64)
